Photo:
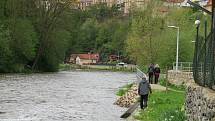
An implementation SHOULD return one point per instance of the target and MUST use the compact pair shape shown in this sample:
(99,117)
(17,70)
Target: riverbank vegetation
(124,89)
(39,36)
(164,106)
(113,68)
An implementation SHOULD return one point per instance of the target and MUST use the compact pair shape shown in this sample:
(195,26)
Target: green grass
(172,86)
(124,89)
(65,67)
(164,106)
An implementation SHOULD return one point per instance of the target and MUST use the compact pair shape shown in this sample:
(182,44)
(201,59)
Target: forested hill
(34,36)
(37,36)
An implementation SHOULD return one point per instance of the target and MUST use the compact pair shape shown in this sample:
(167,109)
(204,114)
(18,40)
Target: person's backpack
(151,69)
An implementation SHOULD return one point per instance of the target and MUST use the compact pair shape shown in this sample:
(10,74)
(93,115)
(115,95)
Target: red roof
(89,56)
(209,3)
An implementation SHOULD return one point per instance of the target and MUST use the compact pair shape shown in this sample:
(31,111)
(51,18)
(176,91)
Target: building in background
(124,5)
(83,4)
(208,6)
(133,3)
(85,59)
(183,3)
(113,58)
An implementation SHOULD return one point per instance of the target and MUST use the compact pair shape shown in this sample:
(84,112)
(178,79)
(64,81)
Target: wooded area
(38,36)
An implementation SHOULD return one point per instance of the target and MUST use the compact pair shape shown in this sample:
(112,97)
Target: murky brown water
(63,96)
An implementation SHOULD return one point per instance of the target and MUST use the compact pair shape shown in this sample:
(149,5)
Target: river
(62,96)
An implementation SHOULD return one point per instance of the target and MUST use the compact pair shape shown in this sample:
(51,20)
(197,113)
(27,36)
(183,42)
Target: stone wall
(179,77)
(129,98)
(200,103)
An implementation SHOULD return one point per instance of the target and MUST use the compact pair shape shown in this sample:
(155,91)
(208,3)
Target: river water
(62,96)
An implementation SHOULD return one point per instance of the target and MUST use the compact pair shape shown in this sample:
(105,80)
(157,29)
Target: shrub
(124,89)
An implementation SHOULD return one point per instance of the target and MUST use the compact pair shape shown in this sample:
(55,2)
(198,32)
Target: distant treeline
(38,36)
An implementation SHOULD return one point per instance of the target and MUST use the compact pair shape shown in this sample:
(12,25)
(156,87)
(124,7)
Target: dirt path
(162,88)
(158,87)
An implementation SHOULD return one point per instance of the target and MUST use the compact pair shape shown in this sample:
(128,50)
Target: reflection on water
(63,96)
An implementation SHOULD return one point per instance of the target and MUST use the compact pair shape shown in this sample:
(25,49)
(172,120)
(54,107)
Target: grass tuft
(124,89)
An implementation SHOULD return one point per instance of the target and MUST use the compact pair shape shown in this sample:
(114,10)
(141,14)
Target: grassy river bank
(162,105)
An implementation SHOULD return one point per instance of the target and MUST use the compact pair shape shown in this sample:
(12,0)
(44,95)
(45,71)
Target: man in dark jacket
(143,90)
(151,73)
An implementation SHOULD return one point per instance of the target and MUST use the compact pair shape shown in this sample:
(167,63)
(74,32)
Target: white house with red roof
(85,59)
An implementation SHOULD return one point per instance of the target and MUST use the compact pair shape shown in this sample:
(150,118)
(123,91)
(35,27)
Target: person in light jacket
(143,90)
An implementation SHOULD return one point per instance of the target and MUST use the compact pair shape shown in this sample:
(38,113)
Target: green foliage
(180,18)
(151,41)
(55,52)
(5,51)
(100,29)
(35,36)
(39,37)
(172,86)
(88,35)
(124,89)
(160,105)
(142,44)
(24,41)
(101,12)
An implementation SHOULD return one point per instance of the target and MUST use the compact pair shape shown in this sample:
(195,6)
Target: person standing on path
(156,73)
(143,90)
(151,73)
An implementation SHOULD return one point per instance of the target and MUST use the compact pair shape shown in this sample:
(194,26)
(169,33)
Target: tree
(149,41)
(5,52)
(141,43)
(32,28)
(48,14)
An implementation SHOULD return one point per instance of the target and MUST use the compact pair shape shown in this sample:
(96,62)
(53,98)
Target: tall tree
(48,14)
(146,24)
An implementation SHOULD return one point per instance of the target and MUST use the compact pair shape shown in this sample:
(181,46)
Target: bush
(124,89)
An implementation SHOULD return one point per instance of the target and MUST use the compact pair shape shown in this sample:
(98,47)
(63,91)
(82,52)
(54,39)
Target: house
(72,58)
(208,6)
(83,4)
(86,59)
(113,58)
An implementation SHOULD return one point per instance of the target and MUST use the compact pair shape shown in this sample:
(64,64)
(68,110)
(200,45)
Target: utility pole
(177,46)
